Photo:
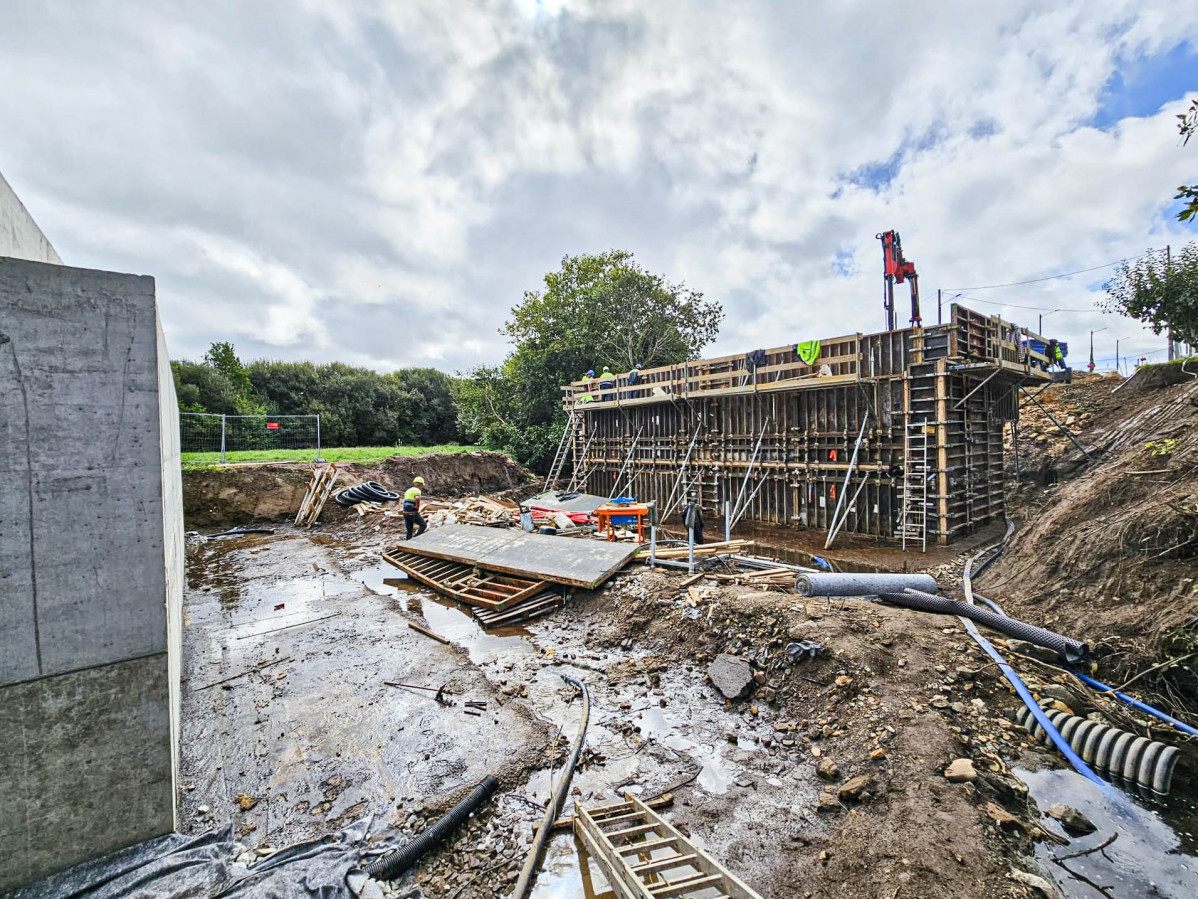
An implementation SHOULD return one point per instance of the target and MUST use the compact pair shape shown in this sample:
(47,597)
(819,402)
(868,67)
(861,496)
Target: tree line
(595,311)
(357,406)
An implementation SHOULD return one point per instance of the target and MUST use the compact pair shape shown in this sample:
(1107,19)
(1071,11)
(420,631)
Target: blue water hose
(1026,695)
(1134,703)
(1085,678)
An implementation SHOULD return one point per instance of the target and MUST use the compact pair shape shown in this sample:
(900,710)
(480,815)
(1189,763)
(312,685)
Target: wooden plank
(561,560)
(690,885)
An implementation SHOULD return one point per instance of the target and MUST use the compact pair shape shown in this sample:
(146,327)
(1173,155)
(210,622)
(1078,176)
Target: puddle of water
(301,599)
(561,876)
(444,617)
(1154,854)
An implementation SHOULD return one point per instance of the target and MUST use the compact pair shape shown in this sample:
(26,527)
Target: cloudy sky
(378,182)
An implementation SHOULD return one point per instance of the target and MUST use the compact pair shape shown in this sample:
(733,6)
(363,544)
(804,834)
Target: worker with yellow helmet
(411,509)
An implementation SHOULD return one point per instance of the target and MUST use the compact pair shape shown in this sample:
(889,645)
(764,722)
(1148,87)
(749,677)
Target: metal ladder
(643,857)
(913,521)
(569,432)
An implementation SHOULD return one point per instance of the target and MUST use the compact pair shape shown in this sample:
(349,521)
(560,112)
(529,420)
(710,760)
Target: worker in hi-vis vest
(411,509)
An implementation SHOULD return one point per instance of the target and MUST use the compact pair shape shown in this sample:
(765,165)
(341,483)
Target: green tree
(1160,292)
(1188,126)
(201,388)
(222,358)
(596,310)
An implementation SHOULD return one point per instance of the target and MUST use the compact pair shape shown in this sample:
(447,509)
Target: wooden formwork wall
(807,436)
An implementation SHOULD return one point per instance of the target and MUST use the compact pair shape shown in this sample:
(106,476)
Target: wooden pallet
(525,610)
(494,592)
(643,857)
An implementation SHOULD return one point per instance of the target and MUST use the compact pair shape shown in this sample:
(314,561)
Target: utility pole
(1168,266)
(939,311)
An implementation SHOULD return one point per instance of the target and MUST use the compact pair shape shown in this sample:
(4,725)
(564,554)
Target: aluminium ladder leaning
(643,857)
(913,521)
(569,432)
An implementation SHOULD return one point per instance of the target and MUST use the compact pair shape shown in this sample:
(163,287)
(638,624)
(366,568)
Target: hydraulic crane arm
(898,269)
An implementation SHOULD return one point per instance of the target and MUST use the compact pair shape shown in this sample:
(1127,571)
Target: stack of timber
(769,577)
(320,488)
(526,610)
(703,549)
(481,510)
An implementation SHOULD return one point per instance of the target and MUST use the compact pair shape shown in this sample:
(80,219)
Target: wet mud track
(312,737)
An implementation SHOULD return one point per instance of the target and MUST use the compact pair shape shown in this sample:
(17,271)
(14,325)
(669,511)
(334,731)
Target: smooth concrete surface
(91,567)
(20,237)
(82,567)
(172,538)
(87,766)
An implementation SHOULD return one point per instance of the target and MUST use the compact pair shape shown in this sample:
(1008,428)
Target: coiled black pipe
(390,866)
(371,491)
(1118,753)
(1067,648)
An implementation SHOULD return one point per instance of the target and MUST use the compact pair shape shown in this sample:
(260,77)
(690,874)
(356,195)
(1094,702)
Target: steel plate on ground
(574,561)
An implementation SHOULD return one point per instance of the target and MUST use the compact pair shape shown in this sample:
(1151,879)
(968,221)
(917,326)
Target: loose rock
(731,675)
(960,771)
(1075,823)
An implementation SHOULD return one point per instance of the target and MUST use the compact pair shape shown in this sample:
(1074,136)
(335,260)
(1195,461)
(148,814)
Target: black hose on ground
(553,809)
(1066,648)
(393,864)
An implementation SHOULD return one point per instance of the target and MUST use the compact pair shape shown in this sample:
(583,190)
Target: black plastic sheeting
(202,867)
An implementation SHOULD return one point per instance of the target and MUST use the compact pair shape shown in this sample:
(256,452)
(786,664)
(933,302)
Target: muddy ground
(828,780)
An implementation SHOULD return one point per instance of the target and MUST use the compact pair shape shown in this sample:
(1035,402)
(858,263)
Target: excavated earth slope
(1109,552)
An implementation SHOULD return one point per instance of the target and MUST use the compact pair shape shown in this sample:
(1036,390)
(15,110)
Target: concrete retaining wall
(90,567)
(20,237)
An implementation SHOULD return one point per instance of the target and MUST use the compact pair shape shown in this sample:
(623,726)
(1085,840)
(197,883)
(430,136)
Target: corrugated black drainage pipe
(1067,648)
(1148,764)
(390,866)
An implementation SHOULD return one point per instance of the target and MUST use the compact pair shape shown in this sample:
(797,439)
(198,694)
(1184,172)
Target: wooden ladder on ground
(913,519)
(644,857)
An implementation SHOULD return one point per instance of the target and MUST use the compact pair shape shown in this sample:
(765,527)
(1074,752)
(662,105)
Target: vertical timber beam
(942,451)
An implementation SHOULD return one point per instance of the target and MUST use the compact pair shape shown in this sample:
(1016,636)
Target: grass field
(331,453)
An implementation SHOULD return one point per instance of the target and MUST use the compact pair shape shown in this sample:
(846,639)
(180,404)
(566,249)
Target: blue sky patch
(1140,86)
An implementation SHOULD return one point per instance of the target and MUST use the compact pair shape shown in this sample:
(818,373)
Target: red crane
(897,270)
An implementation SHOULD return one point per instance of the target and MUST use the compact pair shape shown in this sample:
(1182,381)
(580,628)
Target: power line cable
(1016,306)
(1080,271)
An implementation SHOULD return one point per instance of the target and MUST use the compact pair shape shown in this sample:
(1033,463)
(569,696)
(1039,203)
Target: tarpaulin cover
(202,867)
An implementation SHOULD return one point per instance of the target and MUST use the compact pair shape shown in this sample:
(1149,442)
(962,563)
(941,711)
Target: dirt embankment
(248,494)
(1108,550)
(871,724)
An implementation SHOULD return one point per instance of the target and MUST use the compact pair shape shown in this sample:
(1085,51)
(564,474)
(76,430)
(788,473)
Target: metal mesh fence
(201,432)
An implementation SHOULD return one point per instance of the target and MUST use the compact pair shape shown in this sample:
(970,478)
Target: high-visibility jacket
(411,497)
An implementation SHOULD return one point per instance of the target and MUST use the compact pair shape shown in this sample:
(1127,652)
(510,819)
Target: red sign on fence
(272,426)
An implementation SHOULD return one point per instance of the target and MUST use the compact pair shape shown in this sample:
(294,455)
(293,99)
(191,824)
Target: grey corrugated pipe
(1067,648)
(1121,754)
(817,583)
(553,809)
(391,865)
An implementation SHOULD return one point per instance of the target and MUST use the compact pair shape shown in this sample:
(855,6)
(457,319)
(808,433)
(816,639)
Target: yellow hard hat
(418,480)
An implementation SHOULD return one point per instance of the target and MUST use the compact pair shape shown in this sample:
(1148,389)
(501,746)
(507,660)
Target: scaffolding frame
(785,446)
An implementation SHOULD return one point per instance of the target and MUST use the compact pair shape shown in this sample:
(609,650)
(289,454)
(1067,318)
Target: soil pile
(245,494)
(1107,552)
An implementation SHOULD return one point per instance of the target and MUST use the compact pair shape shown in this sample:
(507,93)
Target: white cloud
(378,183)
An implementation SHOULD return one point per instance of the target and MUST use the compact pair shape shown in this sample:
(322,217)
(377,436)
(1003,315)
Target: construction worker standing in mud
(411,509)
